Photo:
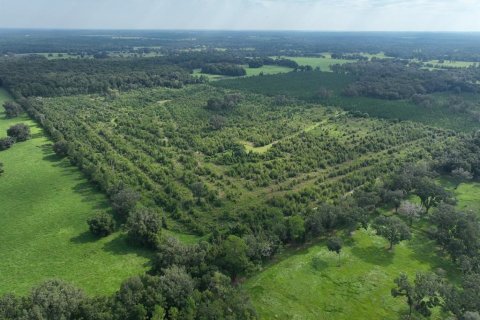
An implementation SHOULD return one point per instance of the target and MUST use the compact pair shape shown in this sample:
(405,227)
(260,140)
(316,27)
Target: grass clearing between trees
(44,205)
(356,288)
(323,63)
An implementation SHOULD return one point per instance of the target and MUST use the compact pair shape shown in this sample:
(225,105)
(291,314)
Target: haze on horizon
(321,15)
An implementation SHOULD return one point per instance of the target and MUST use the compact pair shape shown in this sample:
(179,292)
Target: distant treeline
(37,76)
(399,79)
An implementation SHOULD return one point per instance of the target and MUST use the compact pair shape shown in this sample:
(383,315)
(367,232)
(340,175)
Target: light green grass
(380,55)
(466,193)
(44,205)
(267,69)
(357,289)
(212,77)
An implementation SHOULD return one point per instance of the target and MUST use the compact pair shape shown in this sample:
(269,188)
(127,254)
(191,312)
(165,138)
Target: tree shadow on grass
(84,237)
(426,251)
(89,194)
(374,255)
(37,135)
(319,264)
(120,246)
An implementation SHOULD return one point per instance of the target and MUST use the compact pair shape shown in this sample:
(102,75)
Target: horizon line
(234,30)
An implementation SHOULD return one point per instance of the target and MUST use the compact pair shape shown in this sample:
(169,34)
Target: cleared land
(264,70)
(318,62)
(357,289)
(44,205)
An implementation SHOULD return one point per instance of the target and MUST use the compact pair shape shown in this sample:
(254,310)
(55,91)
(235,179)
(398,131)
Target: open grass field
(265,70)
(323,63)
(466,193)
(44,205)
(357,289)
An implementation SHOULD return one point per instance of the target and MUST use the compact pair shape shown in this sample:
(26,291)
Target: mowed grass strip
(44,205)
(357,287)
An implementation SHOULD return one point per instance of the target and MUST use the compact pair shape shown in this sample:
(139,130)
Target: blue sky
(340,15)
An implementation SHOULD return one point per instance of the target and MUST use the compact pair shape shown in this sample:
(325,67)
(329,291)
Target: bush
(124,201)
(61,148)
(101,225)
(12,109)
(19,132)
(6,143)
(144,226)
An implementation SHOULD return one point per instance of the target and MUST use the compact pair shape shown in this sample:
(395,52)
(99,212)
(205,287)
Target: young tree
(217,122)
(124,201)
(430,193)
(19,132)
(392,228)
(101,225)
(233,256)
(393,198)
(296,228)
(55,299)
(144,226)
(335,244)
(460,175)
(61,148)
(423,295)
(6,143)
(12,109)
(199,190)
(410,210)
(457,232)
(176,286)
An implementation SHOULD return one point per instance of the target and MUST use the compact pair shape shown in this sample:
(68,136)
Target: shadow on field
(425,250)
(50,156)
(120,246)
(37,135)
(84,237)
(374,255)
(89,194)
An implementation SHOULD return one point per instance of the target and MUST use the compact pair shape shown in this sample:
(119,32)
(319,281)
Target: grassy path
(44,205)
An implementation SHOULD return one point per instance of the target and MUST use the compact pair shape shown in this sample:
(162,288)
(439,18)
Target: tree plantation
(165,175)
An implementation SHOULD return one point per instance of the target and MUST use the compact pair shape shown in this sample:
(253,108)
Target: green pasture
(267,69)
(356,286)
(264,70)
(44,205)
(318,62)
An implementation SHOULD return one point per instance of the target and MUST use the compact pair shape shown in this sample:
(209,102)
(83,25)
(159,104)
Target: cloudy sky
(356,15)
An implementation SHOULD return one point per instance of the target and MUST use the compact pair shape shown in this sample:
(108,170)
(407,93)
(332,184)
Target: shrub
(144,226)
(101,225)
(61,148)
(6,143)
(12,109)
(124,201)
(19,132)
